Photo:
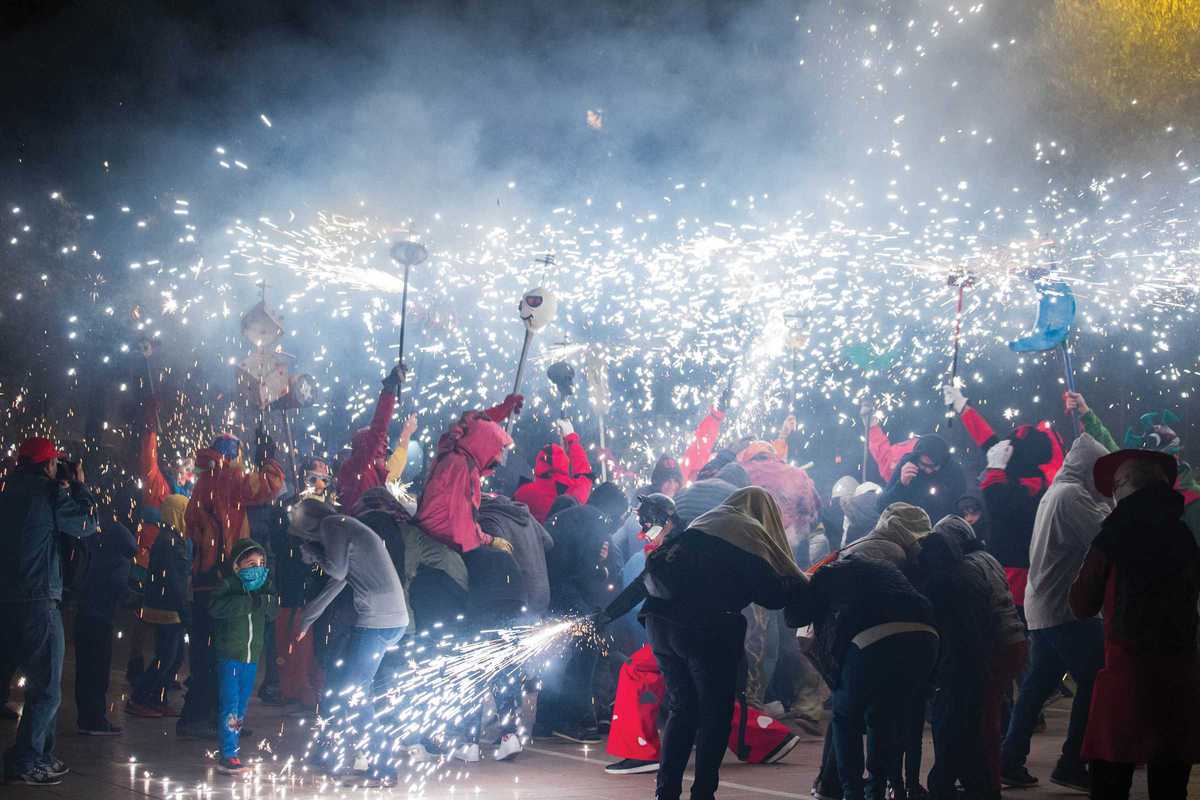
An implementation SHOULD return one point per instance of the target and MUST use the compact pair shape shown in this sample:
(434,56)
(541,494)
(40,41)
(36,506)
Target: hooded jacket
(106,586)
(559,471)
(850,596)
(510,520)
(861,514)
(793,490)
(579,574)
(936,493)
(366,467)
(352,555)
(36,511)
(896,538)
(240,617)
(1068,519)
(216,513)
(449,506)
(1012,496)
(165,600)
(1143,572)
(1009,627)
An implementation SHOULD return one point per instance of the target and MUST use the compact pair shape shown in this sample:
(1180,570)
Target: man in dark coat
(580,583)
(105,589)
(1143,572)
(40,507)
(927,478)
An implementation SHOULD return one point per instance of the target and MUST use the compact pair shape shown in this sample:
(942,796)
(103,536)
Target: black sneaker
(56,766)
(631,766)
(195,730)
(579,734)
(780,752)
(105,728)
(1017,778)
(1077,779)
(37,775)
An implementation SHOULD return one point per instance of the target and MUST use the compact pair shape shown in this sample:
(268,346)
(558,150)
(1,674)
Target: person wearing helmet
(641,689)
(318,481)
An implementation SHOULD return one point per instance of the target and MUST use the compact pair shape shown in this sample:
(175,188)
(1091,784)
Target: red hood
(552,462)
(484,441)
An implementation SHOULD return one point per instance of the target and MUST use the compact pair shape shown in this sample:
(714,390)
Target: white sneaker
(468,753)
(509,747)
(419,754)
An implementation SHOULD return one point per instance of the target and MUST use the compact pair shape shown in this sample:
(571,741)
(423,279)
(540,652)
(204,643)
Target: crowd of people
(735,607)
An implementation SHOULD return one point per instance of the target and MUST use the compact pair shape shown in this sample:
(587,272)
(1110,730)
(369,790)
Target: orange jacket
(155,487)
(216,513)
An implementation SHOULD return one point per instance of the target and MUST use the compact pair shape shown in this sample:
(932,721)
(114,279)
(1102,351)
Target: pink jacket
(449,506)
(793,490)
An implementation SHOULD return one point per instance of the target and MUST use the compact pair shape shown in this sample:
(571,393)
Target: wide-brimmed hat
(1106,467)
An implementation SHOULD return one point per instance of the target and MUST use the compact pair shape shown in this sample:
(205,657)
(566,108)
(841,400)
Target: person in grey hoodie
(352,555)
(512,521)
(1068,519)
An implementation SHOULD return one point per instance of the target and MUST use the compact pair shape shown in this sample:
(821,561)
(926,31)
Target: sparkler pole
(403,320)
(520,373)
(603,449)
(1069,373)
(287,431)
(962,285)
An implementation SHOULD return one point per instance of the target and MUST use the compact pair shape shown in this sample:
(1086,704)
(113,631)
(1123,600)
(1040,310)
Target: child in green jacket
(241,609)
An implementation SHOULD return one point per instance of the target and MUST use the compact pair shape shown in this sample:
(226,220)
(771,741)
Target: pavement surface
(149,760)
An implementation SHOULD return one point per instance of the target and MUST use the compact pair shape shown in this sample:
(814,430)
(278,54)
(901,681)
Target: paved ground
(149,761)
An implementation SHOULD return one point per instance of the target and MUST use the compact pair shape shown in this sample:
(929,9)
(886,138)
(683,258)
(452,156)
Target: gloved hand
(999,454)
(789,427)
(501,544)
(564,427)
(953,396)
(725,399)
(395,379)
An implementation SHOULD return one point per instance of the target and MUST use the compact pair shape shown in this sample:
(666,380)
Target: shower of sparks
(436,701)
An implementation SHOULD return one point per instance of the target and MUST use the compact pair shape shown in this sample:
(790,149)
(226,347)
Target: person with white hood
(1068,519)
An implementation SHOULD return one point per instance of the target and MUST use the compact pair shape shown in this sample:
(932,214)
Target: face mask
(253,578)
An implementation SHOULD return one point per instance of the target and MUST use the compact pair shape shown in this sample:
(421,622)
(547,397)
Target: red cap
(37,450)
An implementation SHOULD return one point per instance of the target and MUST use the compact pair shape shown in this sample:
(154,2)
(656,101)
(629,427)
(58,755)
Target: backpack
(76,562)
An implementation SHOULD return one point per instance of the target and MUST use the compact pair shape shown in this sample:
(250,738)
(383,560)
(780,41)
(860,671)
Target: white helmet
(845,486)
(867,486)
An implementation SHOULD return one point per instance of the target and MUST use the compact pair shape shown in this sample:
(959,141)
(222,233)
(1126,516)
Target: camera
(65,470)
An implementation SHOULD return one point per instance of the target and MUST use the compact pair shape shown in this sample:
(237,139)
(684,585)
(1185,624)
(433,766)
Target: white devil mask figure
(538,308)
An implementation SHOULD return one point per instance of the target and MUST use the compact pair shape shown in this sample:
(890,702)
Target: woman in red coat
(1143,571)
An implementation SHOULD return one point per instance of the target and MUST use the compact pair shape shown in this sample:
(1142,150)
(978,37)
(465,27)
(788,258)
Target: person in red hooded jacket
(216,521)
(366,468)
(449,507)
(557,471)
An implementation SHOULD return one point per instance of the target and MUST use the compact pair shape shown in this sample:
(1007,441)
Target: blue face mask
(253,578)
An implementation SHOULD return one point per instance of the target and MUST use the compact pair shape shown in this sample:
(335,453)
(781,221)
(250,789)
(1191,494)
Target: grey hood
(1077,467)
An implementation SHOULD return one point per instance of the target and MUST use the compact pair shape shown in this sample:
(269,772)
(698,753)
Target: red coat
(577,482)
(449,507)
(154,485)
(216,512)
(1146,699)
(366,468)
(703,441)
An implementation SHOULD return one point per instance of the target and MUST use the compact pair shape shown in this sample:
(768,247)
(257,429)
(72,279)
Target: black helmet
(655,509)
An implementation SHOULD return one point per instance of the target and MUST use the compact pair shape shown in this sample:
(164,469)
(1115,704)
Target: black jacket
(36,512)
(579,574)
(720,579)
(848,596)
(106,585)
(166,592)
(1011,510)
(937,493)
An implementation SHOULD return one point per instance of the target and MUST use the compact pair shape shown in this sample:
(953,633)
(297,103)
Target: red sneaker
(230,766)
